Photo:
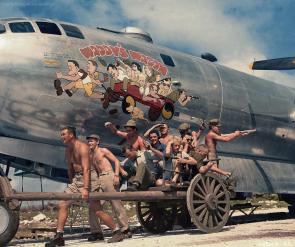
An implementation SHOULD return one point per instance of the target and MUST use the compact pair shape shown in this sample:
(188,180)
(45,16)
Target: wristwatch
(117,175)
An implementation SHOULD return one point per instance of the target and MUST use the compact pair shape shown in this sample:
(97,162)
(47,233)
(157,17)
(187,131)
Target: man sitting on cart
(177,159)
(149,163)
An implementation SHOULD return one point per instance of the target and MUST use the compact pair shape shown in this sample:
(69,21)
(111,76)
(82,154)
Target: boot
(95,236)
(127,233)
(133,187)
(117,237)
(57,86)
(58,240)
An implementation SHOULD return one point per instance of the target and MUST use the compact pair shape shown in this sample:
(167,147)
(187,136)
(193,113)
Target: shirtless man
(211,139)
(165,137)
(77,156)
(108,179)
(134,141)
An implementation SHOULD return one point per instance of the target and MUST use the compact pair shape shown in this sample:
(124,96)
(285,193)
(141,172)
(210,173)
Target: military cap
(93,136)
(214,122)
(130,123)
(184,126)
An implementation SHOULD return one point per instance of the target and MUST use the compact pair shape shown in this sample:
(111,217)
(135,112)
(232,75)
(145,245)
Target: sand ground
(278,233)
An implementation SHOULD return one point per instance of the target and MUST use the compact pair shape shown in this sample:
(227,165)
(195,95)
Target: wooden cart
(205,202)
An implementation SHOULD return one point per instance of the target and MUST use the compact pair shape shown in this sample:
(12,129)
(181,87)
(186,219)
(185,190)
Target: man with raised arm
(211,139)
(165,137)
(134,144)
(134,141)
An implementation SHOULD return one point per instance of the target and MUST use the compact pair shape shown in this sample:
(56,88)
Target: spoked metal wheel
(208,202)
(156,217)
(9,223)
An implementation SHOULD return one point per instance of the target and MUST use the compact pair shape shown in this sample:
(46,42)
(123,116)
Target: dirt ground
(270,233)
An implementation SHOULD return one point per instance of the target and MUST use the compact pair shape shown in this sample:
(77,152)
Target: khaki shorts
(78,183)
(88,87)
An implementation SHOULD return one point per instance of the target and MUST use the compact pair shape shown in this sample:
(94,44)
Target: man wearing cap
(108,181)
(211,139)
(190,139)
(77,157)
(134,141)
(135,144)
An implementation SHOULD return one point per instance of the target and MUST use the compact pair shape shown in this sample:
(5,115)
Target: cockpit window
(72,31)
(167,60)
(21,27)
(48,27)
(2,28)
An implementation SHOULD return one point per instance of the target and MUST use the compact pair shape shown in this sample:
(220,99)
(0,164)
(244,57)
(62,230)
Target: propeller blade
(274,64)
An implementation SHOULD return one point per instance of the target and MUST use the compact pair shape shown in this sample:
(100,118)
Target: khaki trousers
(105,181)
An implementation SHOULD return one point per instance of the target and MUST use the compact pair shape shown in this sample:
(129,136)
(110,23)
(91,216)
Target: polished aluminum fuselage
(31,111)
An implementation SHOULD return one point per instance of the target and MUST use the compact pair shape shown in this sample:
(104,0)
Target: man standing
(77,157)
(101,159)
(211,139)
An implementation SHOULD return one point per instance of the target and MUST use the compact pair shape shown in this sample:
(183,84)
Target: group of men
(162,160)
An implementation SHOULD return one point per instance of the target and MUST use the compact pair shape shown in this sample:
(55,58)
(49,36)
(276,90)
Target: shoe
(127,233)
(95,236)
(117,237)
(69,93)
(58,240)
(133,187)
(58,88)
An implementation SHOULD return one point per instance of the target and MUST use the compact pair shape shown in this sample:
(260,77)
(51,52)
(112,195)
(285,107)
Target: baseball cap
(214,122)
(184,126)
(93,136)
(130,123)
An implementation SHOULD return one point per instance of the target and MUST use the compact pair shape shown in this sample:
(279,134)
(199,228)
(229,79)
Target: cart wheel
(154,114)
(156,217)
(128,101)
(168,111)
(9,223)
(208,202)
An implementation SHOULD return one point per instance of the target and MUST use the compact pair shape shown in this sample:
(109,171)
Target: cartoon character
(143,86)
(150,75)
(180,96)
(135,71)
(136,113)
(80,79)
(165,87)
(118,76)
(152,93)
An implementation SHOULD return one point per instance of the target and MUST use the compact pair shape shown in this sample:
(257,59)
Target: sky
(235,31)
